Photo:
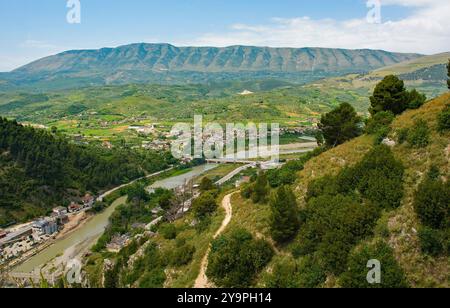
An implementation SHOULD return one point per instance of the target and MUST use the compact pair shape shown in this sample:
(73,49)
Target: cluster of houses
(156,145)
(143,129)
(18,241)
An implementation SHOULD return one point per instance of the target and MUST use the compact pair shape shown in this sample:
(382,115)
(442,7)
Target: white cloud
(426,30)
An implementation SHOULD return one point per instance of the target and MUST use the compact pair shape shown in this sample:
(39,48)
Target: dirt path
(202,281)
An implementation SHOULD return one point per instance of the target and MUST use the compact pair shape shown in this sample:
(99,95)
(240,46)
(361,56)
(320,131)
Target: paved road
(104,195)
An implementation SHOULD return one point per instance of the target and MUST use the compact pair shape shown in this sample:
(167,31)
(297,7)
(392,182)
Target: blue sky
(31,29)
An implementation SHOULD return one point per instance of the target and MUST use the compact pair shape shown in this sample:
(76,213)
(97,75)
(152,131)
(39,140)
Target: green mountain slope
(138,63)
(427,74)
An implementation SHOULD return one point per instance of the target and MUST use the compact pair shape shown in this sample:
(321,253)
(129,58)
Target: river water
(88,234)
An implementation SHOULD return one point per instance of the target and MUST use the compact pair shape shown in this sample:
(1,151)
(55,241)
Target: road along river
(87,235)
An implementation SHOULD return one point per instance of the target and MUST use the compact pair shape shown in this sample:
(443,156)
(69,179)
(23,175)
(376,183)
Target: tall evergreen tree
(340,125)
(389,95)
(284,217)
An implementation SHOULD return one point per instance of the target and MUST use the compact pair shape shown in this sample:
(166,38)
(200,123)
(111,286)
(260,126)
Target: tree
(389,95)
(340,125)
(392,275)
(206,184)
(137,192)
(204,205)
(260,189)
(236,259)
(284,215)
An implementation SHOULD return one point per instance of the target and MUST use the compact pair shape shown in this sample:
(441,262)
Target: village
(18,241)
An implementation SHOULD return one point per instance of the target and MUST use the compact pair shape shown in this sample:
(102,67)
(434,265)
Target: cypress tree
(284,217)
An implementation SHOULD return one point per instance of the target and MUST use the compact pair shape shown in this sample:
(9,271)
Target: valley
(162,222)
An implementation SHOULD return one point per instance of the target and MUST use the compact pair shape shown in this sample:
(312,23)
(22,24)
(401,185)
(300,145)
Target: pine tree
(340,125)
(284,218)
(389,95)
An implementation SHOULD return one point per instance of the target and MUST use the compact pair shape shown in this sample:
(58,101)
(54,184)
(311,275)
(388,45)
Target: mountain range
(165,63)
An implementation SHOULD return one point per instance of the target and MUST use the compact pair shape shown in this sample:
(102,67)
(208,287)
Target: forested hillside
(39,170)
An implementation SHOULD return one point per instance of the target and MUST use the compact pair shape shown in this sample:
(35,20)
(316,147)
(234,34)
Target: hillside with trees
(40,170)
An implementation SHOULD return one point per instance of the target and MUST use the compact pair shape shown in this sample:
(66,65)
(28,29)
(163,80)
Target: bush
(288,273)
(444,119)
(206,184)
(419,135)
(237,258)
(168,231)
(286,175)
(332,226)
(204,206)
(402,135)
(431,241)
(153,279)
(379,177)
(416,99)
(431,203)
(378,121)
(326,185)
(182,255)
(392,275)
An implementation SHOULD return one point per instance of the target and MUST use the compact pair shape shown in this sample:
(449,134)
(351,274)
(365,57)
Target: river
(88,234)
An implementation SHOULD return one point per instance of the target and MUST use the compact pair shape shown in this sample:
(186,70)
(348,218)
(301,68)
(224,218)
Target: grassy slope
(364,84)
(422,271)
(402,223)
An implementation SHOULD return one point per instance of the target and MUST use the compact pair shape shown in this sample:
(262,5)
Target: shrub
(182,255)
(382,134)
(247,191)
(332,226)
(168,231)
(378,121)
(204,206)
(402,135)
(379,177)
(206,184)
(237,258)
(444,119)
(326,185)
(432,203)
(416,99)
(288,273)
(153,279)
(419,135)
(431,241)
(392,275)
